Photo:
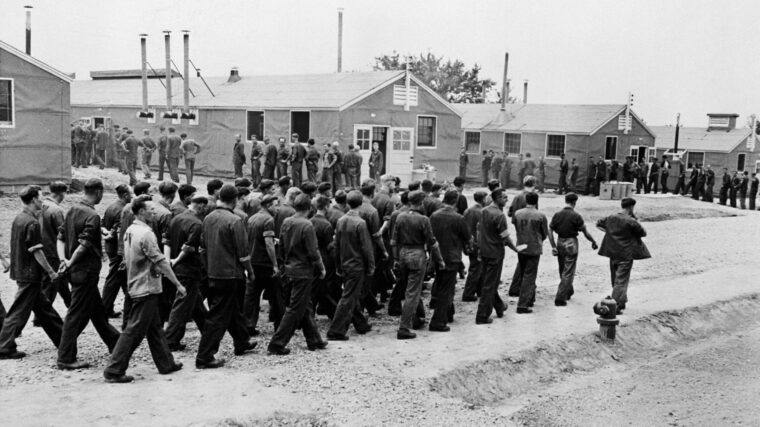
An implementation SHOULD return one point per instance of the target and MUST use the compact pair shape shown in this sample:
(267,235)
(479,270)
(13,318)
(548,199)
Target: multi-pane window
(402,140)
(363,138)
(695,159)
(512,143)
(472,142)
(6,102)
(426,131)
(610,148)
(555,145)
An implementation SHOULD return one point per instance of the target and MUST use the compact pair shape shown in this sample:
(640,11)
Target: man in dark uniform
(453,236)
(725,186)
(641,177)
(532,228)
(324,296)
(148,147)
(270,159)
(734,189)
(302,263)
(654,179)
(601,174)
(463,161)
(80,251)
(117,276)
(564,167)
(567,223)
(590,175)
(51,220)
(352,165)
(256,154)
(709,185)
(461,205)
(664,173)
(173,153)
(412,235)
(101,145)
(496,165)
(376,162)
(238,156)
(485,167)
(492,237)
(518,203)
(297,157)
(382,201)
(628,169)
(28,264)
(541,174)
(80,136)
(283,159)
(228,259)
(743,185)
(474,281)
(185,195)
(131,147)
(573,174)
(753,191)
(506,174)
(338,168)
(312,161)
(701,181)
(163,160)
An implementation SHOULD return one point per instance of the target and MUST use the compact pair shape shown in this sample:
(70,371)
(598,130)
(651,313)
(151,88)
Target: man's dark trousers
(251,305)
(58,286)
(567,257)
(144,322)
(224,314)
(447,280)
(514,287)
(238,169)
(162,160)
(620,275)
(185,309)
(349,310)
(664,183)
(489,295)
(298,313)
(29,298)
(115,280)
(297,172)
(529,267)
(86,306)
(474,282)
(255,173)
(653,183)
(174,168)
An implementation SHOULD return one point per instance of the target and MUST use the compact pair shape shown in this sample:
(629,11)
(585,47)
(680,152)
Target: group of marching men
(306,250)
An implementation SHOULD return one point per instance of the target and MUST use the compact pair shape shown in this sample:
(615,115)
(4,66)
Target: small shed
(548,130)
(35,112)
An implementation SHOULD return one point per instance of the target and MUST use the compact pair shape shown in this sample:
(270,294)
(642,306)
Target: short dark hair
(459,181)
(529,181)
(243,191)
(416,197)
(302,203)
(186,190)
(451,197)
(141,188)
(495,194)
(531,198)
(340,196)
(480,196)
(310,141)
(404,197)
(228,193)
(436,187)
(628,202)
(414,185)
(427,185)
(368,187)
(183,135)
(309,188)
(213,185)
(354,199)
(167,188)
(322,203)
(266,184)
(242,182)
(283,181)
(29,193)
(171,129)
(325,186)
(571,198)
(493,184)
(140,203)
(122,189)
(92,185)
(58,187)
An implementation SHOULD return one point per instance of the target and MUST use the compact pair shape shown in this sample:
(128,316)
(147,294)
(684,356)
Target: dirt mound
(493,381)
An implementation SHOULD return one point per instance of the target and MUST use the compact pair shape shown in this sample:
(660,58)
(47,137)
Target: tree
(450,79)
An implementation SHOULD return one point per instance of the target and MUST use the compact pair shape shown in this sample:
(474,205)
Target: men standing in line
(532,228)
(376,162)
(753,191)
(163,159)
(351,162)
(496,165)
(590,175)
(338,168)
(567,223)
(143,260)
(664,173)
(412,234)
(28,264)
(725,186)
(101,145)
(297,157)
(190,150)
(80,251)
(463,161)
(173,152)
(256,154)
(734,189)
(117,276)
(485,167)
(283,158)
(743,184)
(312,161)
(492,237)
(131,145)
(563,169)
(148,147)
(270,160)
(453,236)
(51,220)
(709,185)
(474,282)
(228,261)
(328,162)
(622,245)
(301,262)
(654,179)
(238,156)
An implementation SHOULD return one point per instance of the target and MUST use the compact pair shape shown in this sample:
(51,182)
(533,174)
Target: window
(555,145)
(402,140)
(695,159)
(6,103)
(426,131)
(254,125)
(299,123)
(610,148)
(512,143)
(472,142)
(363,138)
(740,162)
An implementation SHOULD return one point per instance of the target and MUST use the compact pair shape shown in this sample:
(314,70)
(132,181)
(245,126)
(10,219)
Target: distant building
(548,130)
(35,143)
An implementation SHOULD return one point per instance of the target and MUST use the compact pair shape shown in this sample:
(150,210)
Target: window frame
(617,141)
(480,141)
(290,124)
(546,145)
(504,143)
(12,123)
(417,132)
(742,156)
(688,158)
(263,124)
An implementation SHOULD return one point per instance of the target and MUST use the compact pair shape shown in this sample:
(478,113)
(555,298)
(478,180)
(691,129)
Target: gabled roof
(307,91)
(34,61)
(563,118)
(699,139)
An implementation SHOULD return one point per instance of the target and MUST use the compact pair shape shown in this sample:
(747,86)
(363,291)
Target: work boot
(239,351)
(318,346)
(524,310)
(278,351)
(336,337)
(120,379)
(483,321)
(176,367)
(405,334)
(212,364)
(12,355)
(441,328)
(73,365)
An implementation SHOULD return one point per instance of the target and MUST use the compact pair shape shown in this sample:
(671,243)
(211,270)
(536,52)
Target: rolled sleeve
(91,232)
(149,246)
(33,237)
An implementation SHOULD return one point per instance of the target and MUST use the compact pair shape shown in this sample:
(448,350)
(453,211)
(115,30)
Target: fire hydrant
(607,320)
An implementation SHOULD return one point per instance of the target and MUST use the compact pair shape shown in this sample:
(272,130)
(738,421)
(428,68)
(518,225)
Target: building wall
(37,150)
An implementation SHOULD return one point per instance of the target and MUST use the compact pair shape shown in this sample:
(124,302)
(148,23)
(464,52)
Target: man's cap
(200,199)
(325,186)
(308,187)
(266,184)
(93,184)
(29,192)
(243,182)
(628,202)
(267,199)
(416,197)
(57,187)
(284,180)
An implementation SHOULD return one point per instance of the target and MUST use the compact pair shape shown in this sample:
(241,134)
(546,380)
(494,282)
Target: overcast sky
(691,57)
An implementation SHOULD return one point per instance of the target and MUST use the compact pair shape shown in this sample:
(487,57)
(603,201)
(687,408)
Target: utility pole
(678,127)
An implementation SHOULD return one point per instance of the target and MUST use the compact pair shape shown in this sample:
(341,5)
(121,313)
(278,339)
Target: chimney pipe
(505,87)
(525,92)
(144,65)
(186,71)
(167,43)
(28,29)
(340,39)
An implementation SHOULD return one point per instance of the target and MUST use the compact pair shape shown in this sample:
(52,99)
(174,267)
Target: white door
(400,156)
(363,140)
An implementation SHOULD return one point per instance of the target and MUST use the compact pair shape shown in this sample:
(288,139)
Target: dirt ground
(701,253)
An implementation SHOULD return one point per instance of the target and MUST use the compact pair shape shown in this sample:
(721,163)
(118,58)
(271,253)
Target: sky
(689,57)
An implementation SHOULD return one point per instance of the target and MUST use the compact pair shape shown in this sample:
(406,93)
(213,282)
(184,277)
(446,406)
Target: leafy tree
(450,79)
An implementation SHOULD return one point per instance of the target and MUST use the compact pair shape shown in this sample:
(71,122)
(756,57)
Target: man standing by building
(463,161)
(338,168)
(453,236)
(312,161)
(474,282)
(102,140)
(541,174)
(736,183)
(532,228)
(664,173)
(496,165)
(563,169)
(80,251)
(590,175)
(163,159)
(173,152)
(411,236)
(143,260)
(302,264)
(351,162)
(256,154)
(376,162)
(753,191)
(190,150)
(601,174)
(228,261)
(622,245)
(131,146)
(328,162)
(743,186)
(238,156)
(283,158)
(270,160)
(709,185)
(725,186)
(148,147)
(654,171)
(28,265)
(506,174)
(573,174)
(297,157)
(485,167)
(79,137)
(567,223)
